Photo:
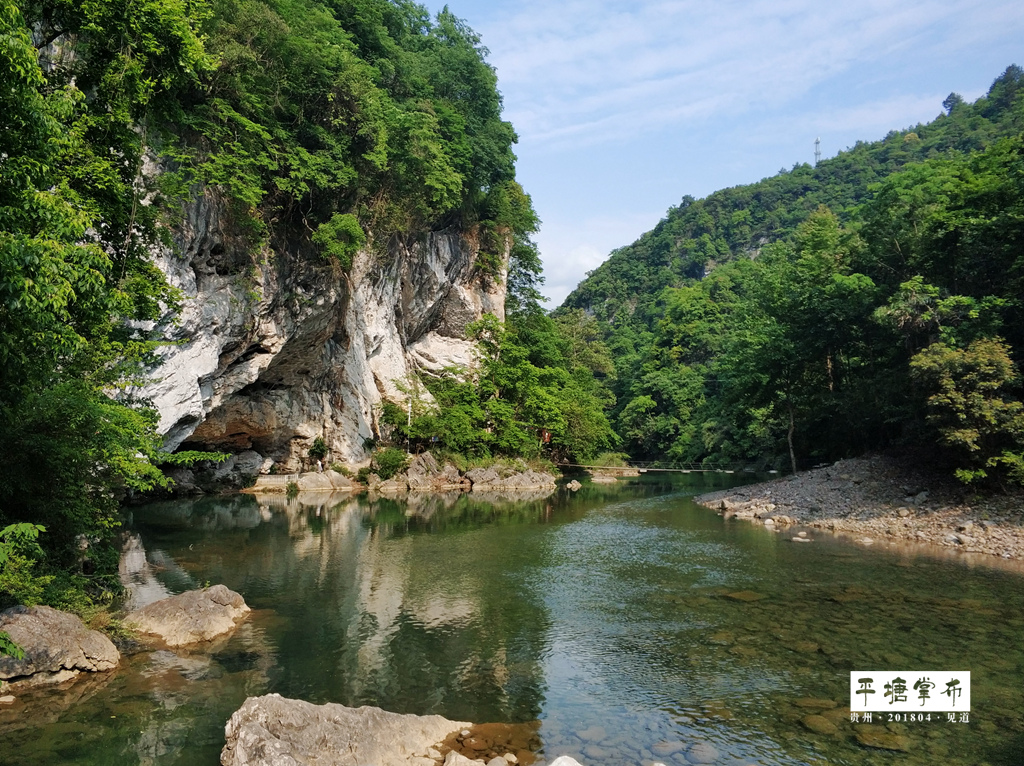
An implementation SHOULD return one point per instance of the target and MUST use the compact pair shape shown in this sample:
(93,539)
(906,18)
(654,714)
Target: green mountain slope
(870,301)
(697,235)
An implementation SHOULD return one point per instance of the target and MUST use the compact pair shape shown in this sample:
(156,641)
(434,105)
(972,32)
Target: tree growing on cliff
(76,279)
(525,384)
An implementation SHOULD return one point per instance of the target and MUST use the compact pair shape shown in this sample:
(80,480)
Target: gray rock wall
(276,347)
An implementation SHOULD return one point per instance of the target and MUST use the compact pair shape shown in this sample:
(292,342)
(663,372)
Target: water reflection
(613,616)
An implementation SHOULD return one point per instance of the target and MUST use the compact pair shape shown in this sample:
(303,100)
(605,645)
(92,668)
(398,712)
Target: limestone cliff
(275,349)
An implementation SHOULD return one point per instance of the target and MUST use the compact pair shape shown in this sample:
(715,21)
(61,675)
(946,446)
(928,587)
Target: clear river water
(626,620)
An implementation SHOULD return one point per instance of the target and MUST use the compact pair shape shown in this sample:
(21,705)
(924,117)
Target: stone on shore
(881,499)
(326,481)
(274,731)
(313,481)
(491,478)
(191,617)
(57,647)
(425,475)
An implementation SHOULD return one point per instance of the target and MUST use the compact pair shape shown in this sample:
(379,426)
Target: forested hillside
(868,302)
(323,127)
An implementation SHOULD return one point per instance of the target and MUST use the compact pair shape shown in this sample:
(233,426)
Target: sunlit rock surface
(273,731)
(57,647)
(191,617)
(276,348)
(488,479)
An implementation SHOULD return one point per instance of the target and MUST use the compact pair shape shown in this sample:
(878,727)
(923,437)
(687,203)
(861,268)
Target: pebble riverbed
(876,498)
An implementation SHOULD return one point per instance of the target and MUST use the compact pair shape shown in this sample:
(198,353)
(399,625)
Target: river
(628,621)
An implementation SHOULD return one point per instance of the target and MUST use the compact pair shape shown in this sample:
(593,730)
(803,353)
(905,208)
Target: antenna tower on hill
(817,151)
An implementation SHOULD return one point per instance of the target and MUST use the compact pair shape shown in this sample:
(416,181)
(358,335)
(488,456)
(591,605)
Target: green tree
(75,274)
(972,404)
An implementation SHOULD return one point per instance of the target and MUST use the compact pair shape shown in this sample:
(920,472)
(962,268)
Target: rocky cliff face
(274,351)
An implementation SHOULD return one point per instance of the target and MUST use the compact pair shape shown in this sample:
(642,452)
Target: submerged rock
(272,730)
(57,647)
(702,752)
(191,617)
(819,724)
(880,739)
(745,595)
(483,742)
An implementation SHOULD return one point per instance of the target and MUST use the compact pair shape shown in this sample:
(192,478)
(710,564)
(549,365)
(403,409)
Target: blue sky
(622,108)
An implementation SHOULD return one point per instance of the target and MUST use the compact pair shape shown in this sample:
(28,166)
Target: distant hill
(876,299)
(698,235)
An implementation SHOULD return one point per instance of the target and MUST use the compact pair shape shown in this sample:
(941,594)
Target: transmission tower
(817,151)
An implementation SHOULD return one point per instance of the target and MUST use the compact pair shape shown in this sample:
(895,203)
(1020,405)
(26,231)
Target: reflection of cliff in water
(367,614)
(169,694)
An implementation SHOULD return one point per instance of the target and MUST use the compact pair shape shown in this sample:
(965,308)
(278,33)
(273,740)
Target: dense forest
(339,124)
(870,302)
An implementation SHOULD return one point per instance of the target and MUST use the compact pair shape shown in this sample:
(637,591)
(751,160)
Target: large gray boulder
(191,617)
(329,480)
(492,479)
(426,475)
(313,481)
(397,484)
(275,731)
(57,647)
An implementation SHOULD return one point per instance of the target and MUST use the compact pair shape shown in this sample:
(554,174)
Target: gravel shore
(877,499)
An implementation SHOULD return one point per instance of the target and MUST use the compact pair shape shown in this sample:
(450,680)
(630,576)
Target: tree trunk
(792,427)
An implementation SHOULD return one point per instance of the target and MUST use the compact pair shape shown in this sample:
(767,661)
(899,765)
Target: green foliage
(389,462)
(19,554)
(611,460)
(341,238)
(534,375)
(698,235)
(76,281)
(9,648)
(971,404)
(291,490)
(189,457)
(346,117)
(871,301)
(319,449)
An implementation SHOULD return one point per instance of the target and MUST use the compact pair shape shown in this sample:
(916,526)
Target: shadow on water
(631,623)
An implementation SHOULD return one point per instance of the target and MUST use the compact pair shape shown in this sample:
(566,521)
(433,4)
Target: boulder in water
(191,617)
(272,730)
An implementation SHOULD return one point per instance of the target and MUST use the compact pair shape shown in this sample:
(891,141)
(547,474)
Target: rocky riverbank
(423,474)
(878,498)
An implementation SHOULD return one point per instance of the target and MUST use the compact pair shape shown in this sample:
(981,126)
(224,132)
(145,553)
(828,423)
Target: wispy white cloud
(595,72)
(623,106)
(573,249)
